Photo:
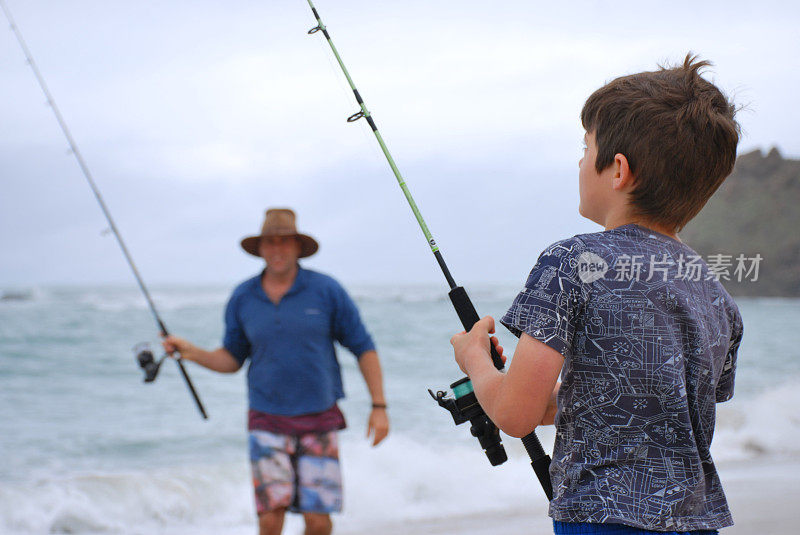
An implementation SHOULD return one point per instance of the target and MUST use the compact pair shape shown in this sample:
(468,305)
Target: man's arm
(219,360)
(516,401)
(370,367)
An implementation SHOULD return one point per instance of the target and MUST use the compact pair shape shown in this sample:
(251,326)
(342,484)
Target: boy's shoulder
(573,259)
(613,240)
(627,236)
(588,252)
(637,259)
(631,243)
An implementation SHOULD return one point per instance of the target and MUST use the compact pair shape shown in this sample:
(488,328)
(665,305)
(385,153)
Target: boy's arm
(724,389)
(516,401)
(549,417)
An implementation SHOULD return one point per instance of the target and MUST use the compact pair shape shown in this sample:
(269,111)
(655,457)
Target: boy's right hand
(497,347)
(466,344)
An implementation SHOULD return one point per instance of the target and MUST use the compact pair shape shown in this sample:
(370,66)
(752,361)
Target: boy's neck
(614,221)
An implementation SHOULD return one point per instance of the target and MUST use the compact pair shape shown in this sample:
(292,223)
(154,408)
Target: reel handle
(469,317)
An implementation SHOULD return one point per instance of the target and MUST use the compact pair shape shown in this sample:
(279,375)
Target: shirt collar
(650,232)
(300,282)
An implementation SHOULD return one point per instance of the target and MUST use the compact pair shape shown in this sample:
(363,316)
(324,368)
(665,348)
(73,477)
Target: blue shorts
(298,473)
(585,528)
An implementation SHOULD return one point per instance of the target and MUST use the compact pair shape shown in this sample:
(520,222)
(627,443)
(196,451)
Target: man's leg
(317,524)
(271,522)
(273,478)
(319,481)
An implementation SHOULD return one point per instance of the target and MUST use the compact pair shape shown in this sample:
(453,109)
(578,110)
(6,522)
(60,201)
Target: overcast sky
(195,116)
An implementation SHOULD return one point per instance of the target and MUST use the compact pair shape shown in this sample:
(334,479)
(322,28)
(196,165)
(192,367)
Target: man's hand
(378,425)
(219,360)
(475,344)
(175,343)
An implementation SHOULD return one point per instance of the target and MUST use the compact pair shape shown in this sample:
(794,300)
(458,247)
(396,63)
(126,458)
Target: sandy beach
(764,497)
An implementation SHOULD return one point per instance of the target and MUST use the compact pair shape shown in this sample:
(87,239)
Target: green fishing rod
(463,406)
(144,357)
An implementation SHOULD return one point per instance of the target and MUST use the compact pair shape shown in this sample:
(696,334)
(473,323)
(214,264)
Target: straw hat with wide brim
(280,222)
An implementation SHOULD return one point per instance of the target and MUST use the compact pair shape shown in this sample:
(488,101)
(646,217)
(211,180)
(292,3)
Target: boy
(641,330)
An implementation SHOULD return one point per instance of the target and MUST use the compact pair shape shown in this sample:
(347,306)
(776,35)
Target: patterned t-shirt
(649,338)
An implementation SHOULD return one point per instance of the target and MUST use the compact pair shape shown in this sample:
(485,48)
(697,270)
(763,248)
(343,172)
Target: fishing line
(86,173)
(374,151)
(464,405)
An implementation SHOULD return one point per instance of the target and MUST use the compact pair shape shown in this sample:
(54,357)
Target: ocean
(87,447)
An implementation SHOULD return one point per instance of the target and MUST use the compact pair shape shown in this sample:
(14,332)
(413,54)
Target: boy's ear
(622,179)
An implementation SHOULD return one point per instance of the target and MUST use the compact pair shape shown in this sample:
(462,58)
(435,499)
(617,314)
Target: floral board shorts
(300,473)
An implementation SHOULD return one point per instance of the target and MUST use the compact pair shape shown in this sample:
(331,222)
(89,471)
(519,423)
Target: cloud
(195,116)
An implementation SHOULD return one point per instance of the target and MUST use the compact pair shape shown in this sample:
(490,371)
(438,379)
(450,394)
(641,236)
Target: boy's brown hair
(677,131)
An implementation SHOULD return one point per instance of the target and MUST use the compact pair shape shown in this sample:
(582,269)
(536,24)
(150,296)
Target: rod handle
(190,385)
(184,373)
(540,462)
(469,317)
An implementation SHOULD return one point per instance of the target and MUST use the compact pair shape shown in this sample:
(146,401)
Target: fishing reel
(147,362)
(150,366)
(464,407)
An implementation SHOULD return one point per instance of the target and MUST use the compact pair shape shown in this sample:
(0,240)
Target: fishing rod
(145,358)
(463,406)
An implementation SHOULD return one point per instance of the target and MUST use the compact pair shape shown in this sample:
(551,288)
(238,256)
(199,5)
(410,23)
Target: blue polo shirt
(293,367)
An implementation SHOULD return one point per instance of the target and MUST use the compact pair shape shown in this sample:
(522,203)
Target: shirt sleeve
(724,390)
(235,340)
(348,329)
(549,307)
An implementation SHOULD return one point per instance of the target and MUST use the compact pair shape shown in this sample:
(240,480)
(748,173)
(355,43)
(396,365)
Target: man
(285,321)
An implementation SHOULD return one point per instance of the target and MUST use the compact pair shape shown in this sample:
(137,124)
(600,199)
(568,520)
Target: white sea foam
(767,426)
(127,502)
(401,480)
